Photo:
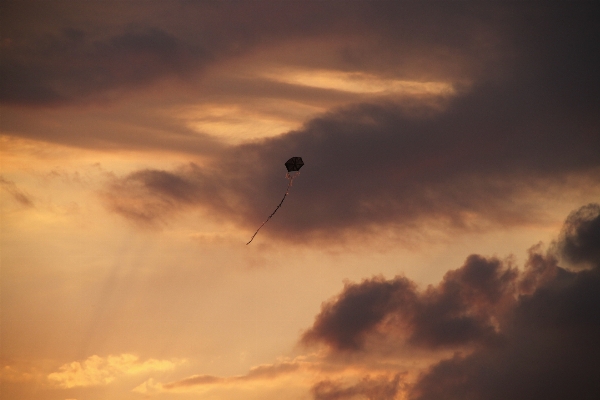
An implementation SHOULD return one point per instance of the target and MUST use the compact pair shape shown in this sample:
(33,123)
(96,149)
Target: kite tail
(291,178)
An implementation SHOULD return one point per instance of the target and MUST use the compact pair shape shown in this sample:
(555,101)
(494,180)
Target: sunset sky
(441,242)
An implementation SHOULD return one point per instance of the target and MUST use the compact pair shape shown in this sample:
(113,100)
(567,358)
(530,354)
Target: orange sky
(142,144)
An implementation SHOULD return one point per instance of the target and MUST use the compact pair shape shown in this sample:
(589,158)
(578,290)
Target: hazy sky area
(442,240)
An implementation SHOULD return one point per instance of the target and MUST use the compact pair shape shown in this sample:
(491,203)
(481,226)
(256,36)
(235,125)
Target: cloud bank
(493,154)
(485,160)
(532,334)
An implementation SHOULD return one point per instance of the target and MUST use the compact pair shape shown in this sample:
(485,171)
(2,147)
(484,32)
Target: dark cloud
(147,196)
(492,155)
(72,66)
(370,166)
(464,308)
(380,388)
(581,235)
(72,57)
(461,310)
(536,331)
(550,349)
(65,52)
(345,321)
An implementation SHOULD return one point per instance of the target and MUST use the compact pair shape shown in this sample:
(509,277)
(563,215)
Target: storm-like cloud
(494,153)
(461,310)
(485,160)
(550,349)
(71,66)
(581,235)
(535,332)
(57,53)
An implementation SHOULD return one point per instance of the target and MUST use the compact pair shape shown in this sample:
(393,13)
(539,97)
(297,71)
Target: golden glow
(236,123)
(359,82)
(97,370)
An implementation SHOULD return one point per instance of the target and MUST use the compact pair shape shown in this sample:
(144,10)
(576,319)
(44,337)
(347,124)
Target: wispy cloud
(96,370)
(17,194)
(262,373)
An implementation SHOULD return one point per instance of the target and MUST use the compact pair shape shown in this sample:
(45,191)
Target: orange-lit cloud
(266,376)
(358,82)
(96,370)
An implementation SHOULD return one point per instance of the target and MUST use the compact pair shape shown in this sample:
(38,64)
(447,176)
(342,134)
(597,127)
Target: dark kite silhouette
(293,166)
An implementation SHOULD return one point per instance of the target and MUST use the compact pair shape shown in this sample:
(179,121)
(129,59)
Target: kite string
(291,178)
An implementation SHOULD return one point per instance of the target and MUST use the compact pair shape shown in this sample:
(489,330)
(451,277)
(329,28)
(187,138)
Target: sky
(441,241)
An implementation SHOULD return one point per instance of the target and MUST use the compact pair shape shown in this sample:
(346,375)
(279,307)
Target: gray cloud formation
(486,159)
(70,66)
(543,322)
(514,138)
(66,52)
(527,123)
(550,349)
(581,235)
(461,310)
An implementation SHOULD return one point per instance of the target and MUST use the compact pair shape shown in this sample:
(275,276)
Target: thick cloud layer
(484,160)
(550,349)
(65,52)
(462,310)
(70,66)
(489,155)
(522,121)
(581,235)
(536,332)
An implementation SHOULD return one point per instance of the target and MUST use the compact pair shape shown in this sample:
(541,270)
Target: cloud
(581,235)
(370,166)
(380,388)
(261,372)
(488,330)
(49,60)
(497,153)
(461,310)
(96,370)
(344,322)
(147,196)
(529,334)
(72,66)
(9,373)
(550,350)
(17,194)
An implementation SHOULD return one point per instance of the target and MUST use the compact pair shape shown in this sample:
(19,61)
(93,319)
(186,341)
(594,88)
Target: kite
(293,166)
